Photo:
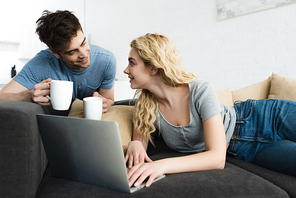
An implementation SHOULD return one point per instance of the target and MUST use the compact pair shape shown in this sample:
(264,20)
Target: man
(68,57)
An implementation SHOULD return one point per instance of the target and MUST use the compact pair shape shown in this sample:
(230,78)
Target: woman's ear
(153,70)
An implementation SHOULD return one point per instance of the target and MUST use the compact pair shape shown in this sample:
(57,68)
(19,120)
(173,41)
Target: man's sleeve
(29,76)
(109,78)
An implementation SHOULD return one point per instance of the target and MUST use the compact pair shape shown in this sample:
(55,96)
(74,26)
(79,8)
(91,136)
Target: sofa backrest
(274,87)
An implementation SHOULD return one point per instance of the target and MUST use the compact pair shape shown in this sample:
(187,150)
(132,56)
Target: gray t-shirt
(203,105)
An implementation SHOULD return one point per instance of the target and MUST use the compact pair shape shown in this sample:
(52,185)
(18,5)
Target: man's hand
(105,106)
(40,92)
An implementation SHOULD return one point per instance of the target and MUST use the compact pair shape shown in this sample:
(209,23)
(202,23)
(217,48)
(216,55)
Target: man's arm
(107,95)
(14,91)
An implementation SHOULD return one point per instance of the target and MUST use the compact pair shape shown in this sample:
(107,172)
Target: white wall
(18,41)
(232,53)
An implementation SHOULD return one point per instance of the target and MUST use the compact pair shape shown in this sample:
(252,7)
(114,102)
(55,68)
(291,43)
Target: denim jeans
(265,134)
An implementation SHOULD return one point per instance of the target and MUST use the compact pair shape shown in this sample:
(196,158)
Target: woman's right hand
(136,154)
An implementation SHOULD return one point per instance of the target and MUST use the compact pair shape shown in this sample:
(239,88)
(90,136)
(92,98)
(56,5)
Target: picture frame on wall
(232,8)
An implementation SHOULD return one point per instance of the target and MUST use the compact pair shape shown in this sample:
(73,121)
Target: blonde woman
(190,118)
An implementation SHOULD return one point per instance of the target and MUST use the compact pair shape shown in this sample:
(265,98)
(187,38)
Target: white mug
(61,94)
(93,107)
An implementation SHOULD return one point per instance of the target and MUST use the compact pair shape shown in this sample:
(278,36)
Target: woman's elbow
(217,160)
(220,162)
(221,165)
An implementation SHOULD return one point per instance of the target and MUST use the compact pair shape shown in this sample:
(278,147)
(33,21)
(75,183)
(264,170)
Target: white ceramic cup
(61,94)
(93,107)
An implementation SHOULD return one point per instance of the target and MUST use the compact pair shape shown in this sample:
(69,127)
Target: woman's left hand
(138,173)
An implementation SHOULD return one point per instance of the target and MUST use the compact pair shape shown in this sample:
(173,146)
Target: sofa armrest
(22,157)
(128,102)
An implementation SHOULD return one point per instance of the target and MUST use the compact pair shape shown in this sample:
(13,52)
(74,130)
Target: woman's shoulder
(200,85)
(202,90)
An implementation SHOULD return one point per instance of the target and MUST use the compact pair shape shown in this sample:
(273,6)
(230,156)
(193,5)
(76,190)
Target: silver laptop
(84,150)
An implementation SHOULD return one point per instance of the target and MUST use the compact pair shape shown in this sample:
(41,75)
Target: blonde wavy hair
(159,51)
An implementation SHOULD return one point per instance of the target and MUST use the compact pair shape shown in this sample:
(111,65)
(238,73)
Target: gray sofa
(25,172)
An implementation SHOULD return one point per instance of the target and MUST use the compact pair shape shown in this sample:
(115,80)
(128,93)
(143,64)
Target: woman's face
(137,71)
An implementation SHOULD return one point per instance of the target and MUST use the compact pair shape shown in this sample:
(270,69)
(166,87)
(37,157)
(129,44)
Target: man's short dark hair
(56,29)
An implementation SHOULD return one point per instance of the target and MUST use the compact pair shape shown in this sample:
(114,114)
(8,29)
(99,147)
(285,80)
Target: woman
(190,118)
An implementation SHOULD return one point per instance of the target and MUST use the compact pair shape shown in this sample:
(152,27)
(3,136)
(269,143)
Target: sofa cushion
(282,88)
(121,114)
(76,109)
(230,182)
(255,91)
(285,182)
(22,157)
(225,96)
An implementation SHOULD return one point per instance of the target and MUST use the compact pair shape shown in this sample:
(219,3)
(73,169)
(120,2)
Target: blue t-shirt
(100,73)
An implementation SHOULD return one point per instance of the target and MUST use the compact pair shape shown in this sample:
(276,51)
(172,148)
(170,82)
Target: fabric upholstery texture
(22,157)
(282,88)
(121,114)
(225,96)
(230,182)
(255,91)
(285,182)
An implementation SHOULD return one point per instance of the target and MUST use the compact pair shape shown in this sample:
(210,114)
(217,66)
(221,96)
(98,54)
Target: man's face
(77,55)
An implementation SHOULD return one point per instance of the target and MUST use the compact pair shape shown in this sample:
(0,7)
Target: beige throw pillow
(255,91)
(121,114)
(282,88)
(225,96)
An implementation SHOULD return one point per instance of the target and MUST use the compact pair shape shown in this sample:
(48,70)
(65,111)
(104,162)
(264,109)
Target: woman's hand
(136,154)
(138,173)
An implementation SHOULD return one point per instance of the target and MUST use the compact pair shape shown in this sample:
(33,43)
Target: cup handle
(48,95)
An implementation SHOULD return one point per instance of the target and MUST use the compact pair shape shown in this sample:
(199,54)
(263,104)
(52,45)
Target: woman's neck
(167,95)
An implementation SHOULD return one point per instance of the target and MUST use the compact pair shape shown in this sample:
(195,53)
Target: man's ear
(153,70)
(55,54)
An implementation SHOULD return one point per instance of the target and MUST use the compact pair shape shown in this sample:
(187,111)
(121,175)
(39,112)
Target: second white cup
(93,107)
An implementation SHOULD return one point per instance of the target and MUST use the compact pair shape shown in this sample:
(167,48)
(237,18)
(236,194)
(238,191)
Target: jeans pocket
(244,110)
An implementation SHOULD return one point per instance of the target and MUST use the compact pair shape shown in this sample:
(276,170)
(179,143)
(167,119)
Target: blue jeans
(265,134)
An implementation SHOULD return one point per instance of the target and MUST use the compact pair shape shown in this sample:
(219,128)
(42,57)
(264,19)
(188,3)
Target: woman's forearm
(144,141)
(208,160)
